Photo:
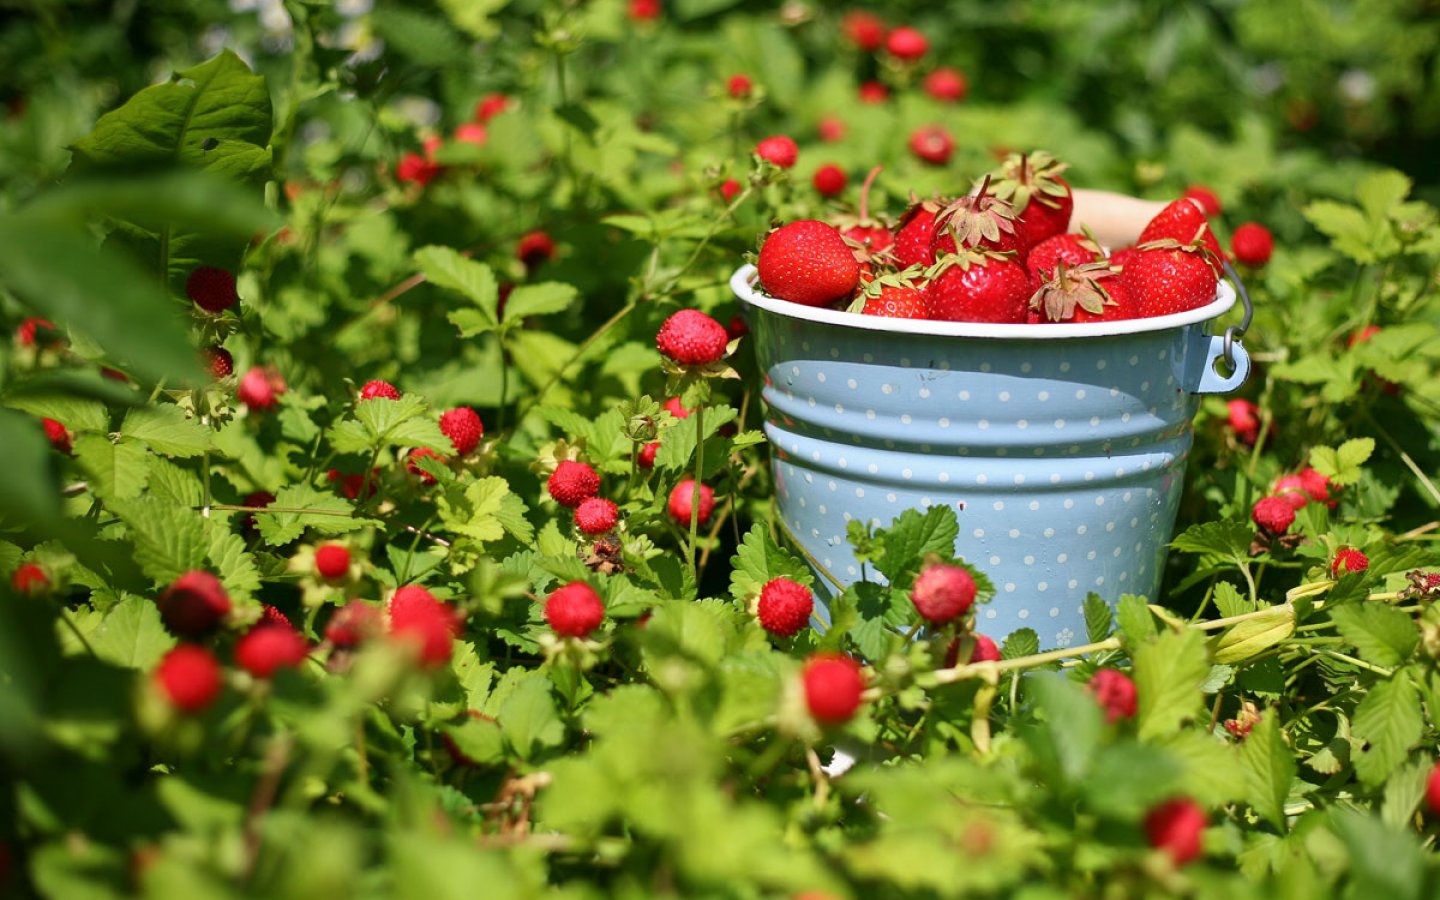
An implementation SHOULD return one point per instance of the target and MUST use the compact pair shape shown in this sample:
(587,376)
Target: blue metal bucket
(1061,447)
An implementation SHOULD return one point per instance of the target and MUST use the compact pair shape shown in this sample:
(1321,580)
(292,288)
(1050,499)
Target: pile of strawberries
(1000,254)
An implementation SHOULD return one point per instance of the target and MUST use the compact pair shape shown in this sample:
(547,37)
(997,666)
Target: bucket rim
(744,282)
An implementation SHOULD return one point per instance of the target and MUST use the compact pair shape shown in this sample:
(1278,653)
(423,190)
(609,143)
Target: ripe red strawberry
(1115,693)
(332,561)
(903,301)
(596,515)
(1071,249)
(867,236)
(269,615)
(471,133)
(353,624)
(1118,258)
(194,604)
(412,463)
(833,687)
(644,10)
(932,144)
(830,129)
(490,106)
(1292,489)
(808,262)
(212,289)
(677,409)
(681,503)
(574,610)
(1273,514)
(728,189)
(906,44)
(219,361)
(1244,419)
(829,180)
(736,327)
(873,92)
(942,593)
(1317,486)
(572,483)
(189,678)
(534,248)
(645,459)
(1184,222)
(1432,790)
(946,85)
(421,620)
(417,169)
(463,427)
(1252,244)
(37,332)
(915,233)
(1040,198)
(1081,294)
(58,435)
(691,338)
(1209,202)
(983,650)
(739,86)
(1361,336)
(260,388)
(865,30)
(979,288)
(1348,559)
(1165,278)
(352,485)
(1176,826)
(978,221)
(30,579)
(784,607)
(379,389)
(266,649)
(779,150)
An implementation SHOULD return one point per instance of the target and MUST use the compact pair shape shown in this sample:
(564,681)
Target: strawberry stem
(865,193)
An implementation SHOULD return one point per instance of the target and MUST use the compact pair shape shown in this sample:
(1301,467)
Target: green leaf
(539,300)
(511,517)
(1128,778)
(1381,192)
(166,430)
(1169,671)
(1384,862)
(78,414)
(911,536)
(757,560)
(1207,766)
(476,512)
(1229,540)
(1404,790)
(1343,465)
(1137,625)
(1099,620)
(474,16)
(480,740)
(325,513)
(447,268)
(1251,637)
(425,39)
(529,718)
(231,561)
(132,635)
(1350,232)
(1269,768)
(29,496)
(168,542)
(1381,633)
(1387,723)
(1229,601)
(677,447)
(1067,734)
(116,471)
(1022,642)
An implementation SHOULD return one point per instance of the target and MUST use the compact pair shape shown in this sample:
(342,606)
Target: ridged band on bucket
(1061,447)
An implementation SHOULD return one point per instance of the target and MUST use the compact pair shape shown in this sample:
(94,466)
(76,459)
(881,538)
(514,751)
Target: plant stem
(695,491)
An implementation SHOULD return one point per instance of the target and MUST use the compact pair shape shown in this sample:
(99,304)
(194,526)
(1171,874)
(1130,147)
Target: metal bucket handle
(1227,347)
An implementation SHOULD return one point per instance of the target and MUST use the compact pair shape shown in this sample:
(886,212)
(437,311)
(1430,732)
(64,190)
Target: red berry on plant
(1317,486)
(943,593)
(332,561)
(29,579)
(1273,514)
(260,388)
(1292,489)
(831,129)
(784,607)
(873,92)
(1432,790)
(354,623)
(574,610)
(189,678)
(681,503)
(645,10)
(946,85)
(266,649)
(829,180)
(691,338)
(412,463)
(833,687)
(932,144)
(212,289)
(572,483)
(985,650)
(417,169)
(1176,826)
(808,262)
(194,604)
(596,515)
(471,133)
(490,106)
(865,30)
(219,361)
(779,150)
(1347,560)
(379,389)
(36,331)
(739,87)
(269,615)
(677,409)
(418,618)
(1115,693)
(1207,199)
(645,459)
(728,189)
(906,43)
(58,435)
(1252,244)
(1244,420)
(463,427)
(535,248)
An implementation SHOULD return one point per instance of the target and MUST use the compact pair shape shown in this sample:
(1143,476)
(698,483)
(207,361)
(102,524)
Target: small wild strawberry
(378,389)
(574,610)
(1175,827)
(212,289)
(1348,560)
(644,10)
(1252,244)
(1317,486)
(463,427)
(37,332)
(873,92)
(596,515)
(332,561)
(739,86)
(834,686)
(219,361)
(946,85)
(728,189)
(260,388)
(189,678)
(1115,693)
(416,169)
(58,435)
(906,44)
(674,407)
(412,463)
(932,144)
(266,649)
(471,133)
(808,262)
(942,593)
(572,483)
(1244,419)
(29,579)
(1432,790)
(1207,199)
(194,604)
(681,503)
(784,607)
(831,129)
(430,626)
(490,106)
(982,650)
(779,150)
(829,180)
(1273,514)
(354,623)
(645,459)
(1292,489)
(534,248)
(691,338)
(865,30)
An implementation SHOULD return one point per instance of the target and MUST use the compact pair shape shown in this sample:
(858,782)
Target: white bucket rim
(744,280)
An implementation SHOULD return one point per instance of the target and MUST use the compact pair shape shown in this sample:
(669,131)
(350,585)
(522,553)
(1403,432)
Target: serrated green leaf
(1229,601)
(75,413)
(1269,768)
(1343,465)
(1381,634)
(677,447)
(475,512)
(1387,723)
(1099,620)
(168,542)
(911,536)
(324,512)
(480,741)
(1022,642)
(1207,766)
(1404,790)
(1169,671)
(172,483)
(757,560)
(422,38)
(1380,192)
(447,268)
(529,718)
(231,562)
(511,516)
(1389,862)
(1249,638)
(349,436)
(1350,232)
(471,322)
(132,635)
(539,300)
(1228,540)
(1132,615)
(29,496)
(166,430)
(116,471)
(1128,778)
(1067,734)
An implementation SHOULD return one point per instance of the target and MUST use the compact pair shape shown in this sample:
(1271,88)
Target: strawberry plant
(388,505)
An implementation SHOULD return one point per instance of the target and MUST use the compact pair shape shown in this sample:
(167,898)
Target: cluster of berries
(422,168)
(1275,512)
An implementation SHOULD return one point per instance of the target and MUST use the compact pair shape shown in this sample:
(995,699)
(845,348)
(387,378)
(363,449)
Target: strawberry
(983,649)
(915,233)
(1071,249)
(830,129)
(1165,277)
(784,607)
(946,85)
(677,409)
(332,561)
(644,10)
(873,92)
(895,301)
(418,618)
(645,459)
(681,503)
(737,327)
(266,649)
(808,262)
(868,236)
(907,44)
(379,389)
(1182,221)
(412,463)
(58,435)
(728,189)
(865,30)
(463,427)
(352,485)
(219,361)
(779,150)
(1244,722)
(416,168)
(254,500)
(194,604)
(212,289)
(1432,790)
(1252,244)
(269,615)
(1273,514)
(260,388)
(534,248)
(978,287)
(739,86)
(1040,198)
(691,338)
(471,133)
(829,180)
(978,221)
(833,686)
(1244,419)
(1176,827)
(932,144)
(353,624)
(596,515)
(490,106)
(29,579)
(37,332)
(1115,693)
(574,610)
(572,483)
(1317,486)
(1079,295)
(189,678)
(942,593)
(1291,488)
(1209,202)
(1348,559)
